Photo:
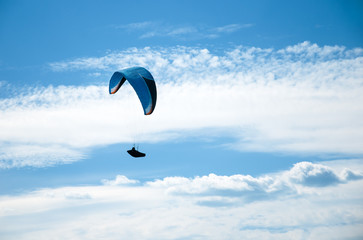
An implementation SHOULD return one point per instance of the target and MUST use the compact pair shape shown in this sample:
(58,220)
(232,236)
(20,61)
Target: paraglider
(143,83)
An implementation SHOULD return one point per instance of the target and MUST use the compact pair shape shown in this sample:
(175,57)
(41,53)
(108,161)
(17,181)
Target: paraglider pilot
(133,152)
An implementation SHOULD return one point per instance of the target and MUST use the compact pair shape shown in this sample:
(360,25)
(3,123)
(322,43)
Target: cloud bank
(284,205)
(300,99)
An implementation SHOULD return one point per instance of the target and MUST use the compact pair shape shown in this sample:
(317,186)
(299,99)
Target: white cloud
(303,174)
(37,155)
(314,175)
(181,31)
(274,206)
(301,99)
(232,28)
(150,29)
(120,180)
(137,25)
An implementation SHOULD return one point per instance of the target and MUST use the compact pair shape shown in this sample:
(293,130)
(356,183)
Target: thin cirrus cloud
(230,28)
(150,29)
(300,99)
(282,205)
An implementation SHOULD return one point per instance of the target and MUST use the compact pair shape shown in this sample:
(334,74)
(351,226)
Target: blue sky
(259,111)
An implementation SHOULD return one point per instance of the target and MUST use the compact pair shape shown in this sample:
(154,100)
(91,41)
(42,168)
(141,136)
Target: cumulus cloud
(119,180)
(214,185)
(278,205)
(302,99)
(349,175)
(309,174)
(303,174)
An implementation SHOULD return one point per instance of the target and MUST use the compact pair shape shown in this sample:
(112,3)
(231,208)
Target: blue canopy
(143,83)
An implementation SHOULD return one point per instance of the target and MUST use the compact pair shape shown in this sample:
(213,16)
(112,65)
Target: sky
(257,131)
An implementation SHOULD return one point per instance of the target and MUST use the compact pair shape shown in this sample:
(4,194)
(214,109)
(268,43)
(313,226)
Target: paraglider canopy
(142,82)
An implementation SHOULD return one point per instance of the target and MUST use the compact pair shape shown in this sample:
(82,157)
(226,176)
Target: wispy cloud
(301,99)
(137,25)
(180,32)
(232,28)
(281,205)
(185,32)
(36,154)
